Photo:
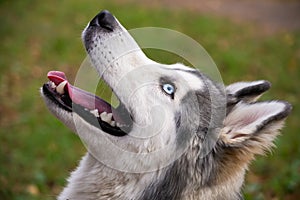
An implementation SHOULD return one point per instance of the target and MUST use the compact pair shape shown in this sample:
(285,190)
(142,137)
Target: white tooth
(52,85)
(103,116)
(106,117)
(95,112)
(60,88)
(109,117)
(113,123)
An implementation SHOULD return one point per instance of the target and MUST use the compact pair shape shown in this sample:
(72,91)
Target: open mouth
(93,109)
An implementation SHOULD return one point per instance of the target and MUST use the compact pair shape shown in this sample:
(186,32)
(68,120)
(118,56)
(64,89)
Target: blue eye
(169,89)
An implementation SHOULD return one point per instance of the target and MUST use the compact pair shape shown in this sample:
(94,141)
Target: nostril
(104,19)
(94,21)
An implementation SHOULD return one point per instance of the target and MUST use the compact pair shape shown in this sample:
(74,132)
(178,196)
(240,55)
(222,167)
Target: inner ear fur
(253,127)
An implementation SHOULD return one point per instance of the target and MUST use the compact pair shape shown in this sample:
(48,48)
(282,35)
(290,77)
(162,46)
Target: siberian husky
(176,133)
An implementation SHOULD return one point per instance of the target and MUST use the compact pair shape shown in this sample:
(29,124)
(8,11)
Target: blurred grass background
(37,152)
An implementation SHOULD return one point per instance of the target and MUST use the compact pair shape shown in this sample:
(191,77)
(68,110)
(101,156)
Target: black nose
(105,20)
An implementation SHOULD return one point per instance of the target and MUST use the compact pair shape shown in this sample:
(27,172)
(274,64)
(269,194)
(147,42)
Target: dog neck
(93,180)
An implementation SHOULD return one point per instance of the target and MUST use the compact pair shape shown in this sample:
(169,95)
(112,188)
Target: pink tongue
(56,76)
(78,96)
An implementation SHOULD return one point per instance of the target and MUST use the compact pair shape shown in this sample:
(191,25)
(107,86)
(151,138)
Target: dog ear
(246,91)
(252,127)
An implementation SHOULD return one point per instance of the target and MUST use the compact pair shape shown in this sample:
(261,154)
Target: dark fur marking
(169,187)
(253,90)
(177,120)
(247,92)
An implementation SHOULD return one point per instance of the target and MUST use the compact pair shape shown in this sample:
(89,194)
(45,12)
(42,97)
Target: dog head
(166,112)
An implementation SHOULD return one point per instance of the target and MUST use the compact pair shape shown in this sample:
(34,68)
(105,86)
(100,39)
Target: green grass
(37,152)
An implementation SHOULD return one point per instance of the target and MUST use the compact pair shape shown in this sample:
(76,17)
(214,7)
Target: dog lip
(86,100)
(62,101)
(79,96)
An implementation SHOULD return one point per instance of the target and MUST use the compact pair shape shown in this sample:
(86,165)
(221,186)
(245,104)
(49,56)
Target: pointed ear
(246,91)
(253,127)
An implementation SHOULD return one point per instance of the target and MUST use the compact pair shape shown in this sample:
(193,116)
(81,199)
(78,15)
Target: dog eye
(169,89)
